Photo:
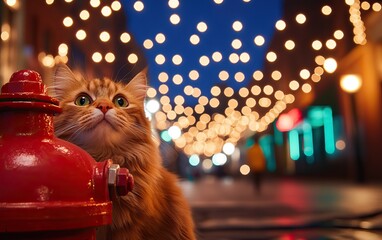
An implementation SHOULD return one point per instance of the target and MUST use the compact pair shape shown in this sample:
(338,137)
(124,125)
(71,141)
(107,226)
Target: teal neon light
(165,136)
(308,142)
(278,136)
(328,130)
(294,145)
(266,145)
(315,116)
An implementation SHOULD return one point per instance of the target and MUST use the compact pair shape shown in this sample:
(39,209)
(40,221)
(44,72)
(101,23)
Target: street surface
(285,209)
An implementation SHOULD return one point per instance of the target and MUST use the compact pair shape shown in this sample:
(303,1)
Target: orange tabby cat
(107,119)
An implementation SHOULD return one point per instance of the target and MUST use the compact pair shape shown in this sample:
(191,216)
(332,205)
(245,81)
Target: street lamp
(351,83)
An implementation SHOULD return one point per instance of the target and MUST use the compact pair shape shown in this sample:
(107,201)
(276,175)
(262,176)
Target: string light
(209,136)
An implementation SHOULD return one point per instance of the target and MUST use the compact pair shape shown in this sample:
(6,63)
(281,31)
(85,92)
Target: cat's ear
(63,80)
(139,85)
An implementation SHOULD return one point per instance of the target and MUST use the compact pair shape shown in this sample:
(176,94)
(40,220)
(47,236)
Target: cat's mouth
(106,123)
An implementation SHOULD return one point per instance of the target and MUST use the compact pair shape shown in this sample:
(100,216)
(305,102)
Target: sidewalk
(231,208)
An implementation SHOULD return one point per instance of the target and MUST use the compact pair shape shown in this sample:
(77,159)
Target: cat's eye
(83,100)
(120,101)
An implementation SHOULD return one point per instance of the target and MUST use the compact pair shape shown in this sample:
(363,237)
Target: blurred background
(300,78)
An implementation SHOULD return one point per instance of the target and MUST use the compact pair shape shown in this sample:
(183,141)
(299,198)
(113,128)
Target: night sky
(256,17)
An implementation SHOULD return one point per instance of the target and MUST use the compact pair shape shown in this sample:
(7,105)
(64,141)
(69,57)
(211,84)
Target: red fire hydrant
(49,188)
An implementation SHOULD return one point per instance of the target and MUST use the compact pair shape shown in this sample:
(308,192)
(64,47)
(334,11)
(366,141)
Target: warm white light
(223,75)
(63,49)
(48,61)
(280,25)
(152,105)
(351,83)
(194,39)
(148,44)
(326,10)
(160,59)
(173,4)
(193,75)
(338,34)
(104,36)
(244,169)
(97,57)
(109,57)
(271,56)
(236,44)
(95,3)
(84,15)
(13,4)
(125,37)
(202,27)
(139,6)
(330,65)
(245,57)
(116,5)
(160,38)
(177,59)
(237,26)
(217,56)
(300,18)
(289,44)
(234,58)
(331,44)
(174,132)
(316,45)
(228,148)
(259,40)
(204,61)
(106,11)
(132,58)
(68,21)
(174,19)
(81,34)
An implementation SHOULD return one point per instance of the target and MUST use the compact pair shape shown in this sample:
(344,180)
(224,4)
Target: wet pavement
(285,209)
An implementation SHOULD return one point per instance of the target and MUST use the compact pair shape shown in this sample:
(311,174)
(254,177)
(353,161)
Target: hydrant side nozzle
(120,180)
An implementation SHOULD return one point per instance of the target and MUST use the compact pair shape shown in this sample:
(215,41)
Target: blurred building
(90,36)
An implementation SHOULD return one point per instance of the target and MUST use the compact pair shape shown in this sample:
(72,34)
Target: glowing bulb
(259,40)
(68,21)
(84,15)
(81,34)
(109,57)
(202,27)
(139,6)
(174,132)
(125,37)
(152,106)
(132,58)
(351,83)
(237,26)
(228,148)
(106,11)
(104,36)
(97,57)
(116,5)
(330,65)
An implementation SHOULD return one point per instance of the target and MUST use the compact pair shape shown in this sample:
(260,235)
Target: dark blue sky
(258,17)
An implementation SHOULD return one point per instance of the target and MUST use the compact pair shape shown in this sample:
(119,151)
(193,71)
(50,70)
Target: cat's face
(99,112)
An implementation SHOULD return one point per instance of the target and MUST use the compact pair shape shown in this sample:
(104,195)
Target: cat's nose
(103,106)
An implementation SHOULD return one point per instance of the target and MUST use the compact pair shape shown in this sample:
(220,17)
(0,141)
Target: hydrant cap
(25,90)
(24,81)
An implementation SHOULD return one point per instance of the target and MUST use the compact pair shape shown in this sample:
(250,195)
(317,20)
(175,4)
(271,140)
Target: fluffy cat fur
(109,128)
